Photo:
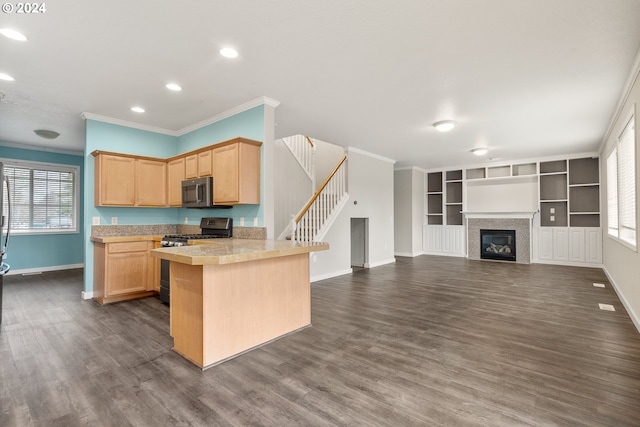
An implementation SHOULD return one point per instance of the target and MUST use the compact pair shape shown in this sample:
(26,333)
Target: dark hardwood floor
(427,341)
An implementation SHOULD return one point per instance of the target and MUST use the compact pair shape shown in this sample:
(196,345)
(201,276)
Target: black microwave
(197,193)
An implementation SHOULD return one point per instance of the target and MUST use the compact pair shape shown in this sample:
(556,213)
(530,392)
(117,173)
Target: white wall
(621,264)
(327,157)
(292,187)
(408,211)
(502,196)
(370,179)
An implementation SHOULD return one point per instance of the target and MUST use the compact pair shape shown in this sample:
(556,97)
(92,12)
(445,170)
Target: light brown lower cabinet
(123,271)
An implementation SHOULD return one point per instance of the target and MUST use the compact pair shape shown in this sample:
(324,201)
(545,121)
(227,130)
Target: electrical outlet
(241,221)
(95,220)
(114,220)
(186,220)
(255,221)
(552,210)
(552,218)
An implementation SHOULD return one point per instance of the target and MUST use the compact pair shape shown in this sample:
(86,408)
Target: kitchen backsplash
(258,233)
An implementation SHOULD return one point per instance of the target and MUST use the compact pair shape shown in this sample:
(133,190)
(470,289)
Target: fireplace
(498,244)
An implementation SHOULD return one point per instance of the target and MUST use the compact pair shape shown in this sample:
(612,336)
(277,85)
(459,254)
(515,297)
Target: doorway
(359,242)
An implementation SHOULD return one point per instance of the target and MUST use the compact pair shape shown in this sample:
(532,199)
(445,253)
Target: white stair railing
(303,150)
(318,213)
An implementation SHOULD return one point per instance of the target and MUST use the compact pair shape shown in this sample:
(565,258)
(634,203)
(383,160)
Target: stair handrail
(317,193)
(310,142)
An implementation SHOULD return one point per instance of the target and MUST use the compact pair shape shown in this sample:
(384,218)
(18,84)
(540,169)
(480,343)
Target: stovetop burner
(212,228)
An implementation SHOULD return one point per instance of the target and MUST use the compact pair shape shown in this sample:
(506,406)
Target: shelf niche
(584,171)
(553,187)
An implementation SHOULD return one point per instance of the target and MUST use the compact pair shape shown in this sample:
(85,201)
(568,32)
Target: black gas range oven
(211,228)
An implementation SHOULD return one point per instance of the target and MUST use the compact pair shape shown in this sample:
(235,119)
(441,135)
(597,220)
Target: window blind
(612,192)
(44,197)
(627,184)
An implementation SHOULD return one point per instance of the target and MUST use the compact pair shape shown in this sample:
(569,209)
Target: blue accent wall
(121,139)
(248,124)
(39,251)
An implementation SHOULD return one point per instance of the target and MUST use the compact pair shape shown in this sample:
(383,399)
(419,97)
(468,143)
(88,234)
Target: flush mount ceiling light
(174,87)
(6,77)
(444,125)
(479,151)
(228,52)
(13,34)
(137,109)
(46,134)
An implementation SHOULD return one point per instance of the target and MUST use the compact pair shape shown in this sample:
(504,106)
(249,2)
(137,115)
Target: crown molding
(632,78)
(366,153)
(409,168)
(263,100)
(126,123)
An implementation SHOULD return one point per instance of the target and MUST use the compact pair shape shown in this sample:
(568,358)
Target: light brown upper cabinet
(205,167)
(198,165)
(151,183)
(130,180)
(236,173)
(114,180)
(191,166)
(125,180)
(175,176)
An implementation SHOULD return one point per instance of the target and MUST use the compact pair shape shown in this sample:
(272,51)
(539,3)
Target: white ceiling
(525,78)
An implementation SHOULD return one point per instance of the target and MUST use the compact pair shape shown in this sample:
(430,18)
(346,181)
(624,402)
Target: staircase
(314,220)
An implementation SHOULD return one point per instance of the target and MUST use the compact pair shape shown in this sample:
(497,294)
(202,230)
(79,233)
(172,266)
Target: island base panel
(220,311)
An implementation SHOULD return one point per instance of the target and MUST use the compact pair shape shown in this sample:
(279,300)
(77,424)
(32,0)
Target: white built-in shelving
(501,172)
(434,198)
(454,197)
(568,197)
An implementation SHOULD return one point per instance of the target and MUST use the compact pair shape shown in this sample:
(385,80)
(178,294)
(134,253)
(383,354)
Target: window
(44,197)
(621,187)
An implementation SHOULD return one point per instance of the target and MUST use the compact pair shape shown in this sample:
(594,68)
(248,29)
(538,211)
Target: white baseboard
(330,275)
(379,263)
(567,263)
(86,295)
(44,269)
(409,254)
(634,317)
(457,255)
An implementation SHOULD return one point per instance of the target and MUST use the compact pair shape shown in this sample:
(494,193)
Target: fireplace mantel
(525,215)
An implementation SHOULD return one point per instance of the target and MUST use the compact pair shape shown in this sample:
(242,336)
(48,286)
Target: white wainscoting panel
(579,246)
(444,240)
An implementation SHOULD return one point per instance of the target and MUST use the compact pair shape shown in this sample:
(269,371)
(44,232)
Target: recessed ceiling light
(227,52)
(479,151)
(174,87)
(137,109)
(46,134)
(13,34)
(6,77)
(444,125)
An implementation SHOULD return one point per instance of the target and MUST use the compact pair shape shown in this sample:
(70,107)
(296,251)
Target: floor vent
(599,285)
(607,307)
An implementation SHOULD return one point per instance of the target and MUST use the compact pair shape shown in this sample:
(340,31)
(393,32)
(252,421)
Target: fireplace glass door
(498,244)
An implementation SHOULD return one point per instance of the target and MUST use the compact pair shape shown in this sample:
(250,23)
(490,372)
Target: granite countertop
(134,233)
(229,251)
(124,239)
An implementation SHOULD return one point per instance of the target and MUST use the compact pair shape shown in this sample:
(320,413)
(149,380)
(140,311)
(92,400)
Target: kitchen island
(229,296)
